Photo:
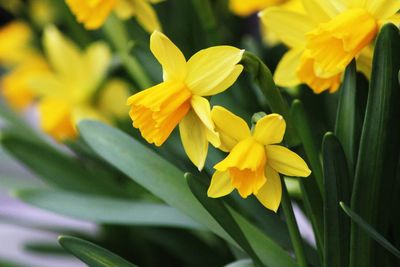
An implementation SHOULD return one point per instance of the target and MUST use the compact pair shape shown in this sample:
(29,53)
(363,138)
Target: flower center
(334,44)
(158,110)
(245,163)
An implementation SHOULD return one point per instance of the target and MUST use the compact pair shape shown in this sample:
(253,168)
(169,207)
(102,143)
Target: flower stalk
(116,32)
(263,78)
(294,232)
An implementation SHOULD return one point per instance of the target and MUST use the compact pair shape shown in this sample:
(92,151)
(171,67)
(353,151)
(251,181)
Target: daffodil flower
(180,98)
(15,47)
(255,160)
(93,13)
(325,39)
(66,91)
(249,7)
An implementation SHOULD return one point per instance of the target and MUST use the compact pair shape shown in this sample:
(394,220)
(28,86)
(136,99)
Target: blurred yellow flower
(67,90)
(180,98)
(93,13)
(16,85)
(325,39)
(15,43)
(249,7)
(254,161)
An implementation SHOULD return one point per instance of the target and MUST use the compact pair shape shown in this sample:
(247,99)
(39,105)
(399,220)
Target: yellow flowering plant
(325,38)
(311,180)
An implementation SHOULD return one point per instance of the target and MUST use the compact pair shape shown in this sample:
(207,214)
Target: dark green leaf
(370,231)
(379,148)
(106,210)
(91,254)
(241,263)
(346,115)
(221,214)
(166,182)
(336,183)
(56,168)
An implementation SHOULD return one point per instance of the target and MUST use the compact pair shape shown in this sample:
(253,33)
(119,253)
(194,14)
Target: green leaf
(336,183)
(56,168)
(311,187)
(379,148)
(303,129)
(166,182)
(370,230)
(241,263)
(106,210)
(91,254)
(221,214)
(346,115)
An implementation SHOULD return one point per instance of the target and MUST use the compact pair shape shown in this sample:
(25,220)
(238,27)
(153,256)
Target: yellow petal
(270,129)
(63,55)
(213,70)
(55,119)
(322,8)
(124,9)
(201,107)
(169,56)
(221,185)
(290,27)
(286,162)
(383,9)
(113,97)
(317,11)
(15,42)
(91,13)
(146,16)
(96,60)
(248,7)
(270,193)
(194,139)
(231,128)
(286,72)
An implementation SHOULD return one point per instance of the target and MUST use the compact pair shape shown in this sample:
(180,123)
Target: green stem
(207,20)
(273,96)
(293,228)
(117,34)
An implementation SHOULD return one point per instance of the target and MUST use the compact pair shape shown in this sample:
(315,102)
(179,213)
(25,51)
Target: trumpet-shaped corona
(326,38)
(180,98)
(254,161)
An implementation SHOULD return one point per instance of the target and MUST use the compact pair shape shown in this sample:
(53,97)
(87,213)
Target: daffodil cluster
(254,160)
(325,37)
(61,83)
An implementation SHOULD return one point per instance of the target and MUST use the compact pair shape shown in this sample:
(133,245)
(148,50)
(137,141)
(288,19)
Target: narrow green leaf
(370,230)
(221,214)
(91,254)
(379,148)
(303,129)
(106,210)
(312,187)
(56,168)
(240,263)
(166,182)
(336,183)
(346,115)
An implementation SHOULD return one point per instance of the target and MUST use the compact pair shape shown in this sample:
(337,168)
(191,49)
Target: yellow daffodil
(249,7)
(325,39)
(93,13)
(254,161)
(67,90)
(15,38)
(180,98)
(16,85)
